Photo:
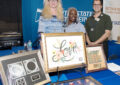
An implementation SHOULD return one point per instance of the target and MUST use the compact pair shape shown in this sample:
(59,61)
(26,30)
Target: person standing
(73,23)
(51,20)
(98,27)
(52,17)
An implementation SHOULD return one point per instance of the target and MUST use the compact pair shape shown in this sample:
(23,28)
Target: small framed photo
(63,51)
(96,59)
(23,69)
(80,81)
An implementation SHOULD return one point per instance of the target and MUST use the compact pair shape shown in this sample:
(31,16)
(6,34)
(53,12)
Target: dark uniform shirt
(95,27)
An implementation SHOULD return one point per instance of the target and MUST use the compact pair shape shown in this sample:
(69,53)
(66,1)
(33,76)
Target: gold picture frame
(96,59)
(24,68)
(62,51)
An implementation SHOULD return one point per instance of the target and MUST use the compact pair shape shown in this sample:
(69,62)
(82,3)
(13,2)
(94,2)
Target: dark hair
(77,19)
(101,1)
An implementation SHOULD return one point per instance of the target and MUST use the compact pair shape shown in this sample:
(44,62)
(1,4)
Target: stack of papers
(114,67)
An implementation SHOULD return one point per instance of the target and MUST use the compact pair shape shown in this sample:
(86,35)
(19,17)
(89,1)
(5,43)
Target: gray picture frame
(27,68)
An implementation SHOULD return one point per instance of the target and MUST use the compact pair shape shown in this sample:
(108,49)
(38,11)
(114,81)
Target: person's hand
(89,43)
(92,43)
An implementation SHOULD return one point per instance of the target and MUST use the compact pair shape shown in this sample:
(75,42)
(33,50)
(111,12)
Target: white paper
(113,67)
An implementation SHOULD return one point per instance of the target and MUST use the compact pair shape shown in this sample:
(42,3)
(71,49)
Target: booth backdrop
(29,11)
(112,8)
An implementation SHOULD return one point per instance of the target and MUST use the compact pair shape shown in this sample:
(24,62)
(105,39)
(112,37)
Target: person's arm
(87,39)
(103,37)
(108,26)
(86,29)
(100,40)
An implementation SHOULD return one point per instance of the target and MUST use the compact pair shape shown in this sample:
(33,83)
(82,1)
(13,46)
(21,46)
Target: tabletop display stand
(84,80)
(80,70)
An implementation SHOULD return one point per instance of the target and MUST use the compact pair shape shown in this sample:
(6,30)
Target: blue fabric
(114,48)
(14,49)
(52,25)
(30,27)
(111,81)
(72,74)
(75,27)
(106,77)
(55,78)
(29,7)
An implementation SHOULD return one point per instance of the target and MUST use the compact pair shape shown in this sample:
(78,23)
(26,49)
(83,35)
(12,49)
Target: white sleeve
(82,28)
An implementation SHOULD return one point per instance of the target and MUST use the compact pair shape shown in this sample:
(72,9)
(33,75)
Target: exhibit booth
(65,59)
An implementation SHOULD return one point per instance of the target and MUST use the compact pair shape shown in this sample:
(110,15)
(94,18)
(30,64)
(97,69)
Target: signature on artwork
(65,51)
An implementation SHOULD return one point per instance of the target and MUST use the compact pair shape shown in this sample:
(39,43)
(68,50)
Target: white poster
(112,8)
(64,50)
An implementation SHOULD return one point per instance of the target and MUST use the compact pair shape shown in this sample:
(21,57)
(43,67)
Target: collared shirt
(75,27)
(95,27)
(52,25)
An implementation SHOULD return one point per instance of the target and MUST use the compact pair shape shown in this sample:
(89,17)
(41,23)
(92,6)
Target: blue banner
(32,8)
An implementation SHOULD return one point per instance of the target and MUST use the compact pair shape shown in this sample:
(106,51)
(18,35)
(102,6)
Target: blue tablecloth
(15,49)
(106,77)
(114,49)
(10,51)
(54,78)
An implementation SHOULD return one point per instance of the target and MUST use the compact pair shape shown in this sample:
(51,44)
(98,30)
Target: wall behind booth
(28,18)
(29,8)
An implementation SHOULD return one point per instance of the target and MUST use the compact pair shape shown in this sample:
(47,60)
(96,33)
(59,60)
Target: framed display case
(80,81)
(23,69)
(63,51)
(96,59)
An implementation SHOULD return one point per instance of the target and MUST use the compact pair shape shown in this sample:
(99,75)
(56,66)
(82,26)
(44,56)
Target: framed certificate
(23,69)
(63,51)
(80,81)
(96,59)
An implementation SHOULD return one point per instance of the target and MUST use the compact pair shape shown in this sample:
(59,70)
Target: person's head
(52,4)
(97,6)
(72,15)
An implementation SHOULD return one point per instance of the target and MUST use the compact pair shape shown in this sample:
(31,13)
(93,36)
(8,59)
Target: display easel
(58,73)
(80,69)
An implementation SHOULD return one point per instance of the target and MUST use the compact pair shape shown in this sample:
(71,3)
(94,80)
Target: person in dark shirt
(98,27)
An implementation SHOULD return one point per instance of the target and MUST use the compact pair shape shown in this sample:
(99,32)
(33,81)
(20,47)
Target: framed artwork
(96,59)
(80,81)
(63,51)
(23,69)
